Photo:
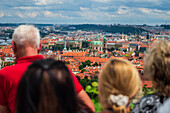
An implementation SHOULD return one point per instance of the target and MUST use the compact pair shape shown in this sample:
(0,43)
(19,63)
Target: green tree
(66,62)
(85,44)
(81,67)
(95,64)
(140,58)
(125,50)
(112,49)
(83,70)
(126,55)
(84,64)
(93,93)
(147,91)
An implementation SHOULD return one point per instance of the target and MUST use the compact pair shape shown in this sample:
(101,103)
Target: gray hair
(26,35)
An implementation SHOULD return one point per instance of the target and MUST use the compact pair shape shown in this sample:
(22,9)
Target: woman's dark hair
(47,87)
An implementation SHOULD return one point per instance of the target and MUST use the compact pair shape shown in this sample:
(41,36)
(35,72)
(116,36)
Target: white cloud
(95,15)
(32,15)
(123,10)
(145,10)
(150,11)
(47,13)
(84,8)
(109,15)
(102,1)
(46,2)
(53,14)
(1,14)
(168,12)
(26,8)
(41,2)
(20,15)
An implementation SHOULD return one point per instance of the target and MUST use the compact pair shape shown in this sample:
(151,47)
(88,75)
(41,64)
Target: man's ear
(39,48)
(14,46)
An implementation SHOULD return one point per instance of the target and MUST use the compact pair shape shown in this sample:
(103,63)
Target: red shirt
(10,77)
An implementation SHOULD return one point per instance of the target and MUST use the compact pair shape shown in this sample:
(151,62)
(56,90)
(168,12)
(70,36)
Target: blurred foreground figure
(47,87)
(165,107)
(26,46)
(119,83)
(157,69)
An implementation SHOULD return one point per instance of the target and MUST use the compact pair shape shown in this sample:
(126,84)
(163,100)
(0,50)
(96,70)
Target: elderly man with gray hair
(26,46)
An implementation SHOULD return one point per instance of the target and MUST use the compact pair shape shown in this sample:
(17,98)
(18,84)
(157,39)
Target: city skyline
(151,12)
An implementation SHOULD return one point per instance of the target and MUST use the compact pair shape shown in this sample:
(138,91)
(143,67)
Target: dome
(104,39)
(97,43)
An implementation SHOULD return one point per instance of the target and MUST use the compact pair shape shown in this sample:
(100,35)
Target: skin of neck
(27,51)
(23,51)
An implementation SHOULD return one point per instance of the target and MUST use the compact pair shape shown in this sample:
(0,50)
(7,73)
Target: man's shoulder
(13,70)
(6,69)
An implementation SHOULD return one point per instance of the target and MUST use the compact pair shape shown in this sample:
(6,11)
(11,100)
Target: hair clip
(118,100)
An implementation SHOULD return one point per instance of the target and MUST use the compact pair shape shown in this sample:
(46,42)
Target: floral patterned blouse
(149,103)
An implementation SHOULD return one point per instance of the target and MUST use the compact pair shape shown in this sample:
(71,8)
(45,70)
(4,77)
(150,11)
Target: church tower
(105,45)
(65,49)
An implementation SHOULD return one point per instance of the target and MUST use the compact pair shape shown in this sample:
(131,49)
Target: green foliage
(140,58)
(8,64)
(80,49)
(147,91)
(74,48)
(84,64)
(57,47)
(106,28)
(85,82)
(132,105)
(125,50)
(66,62)
(166,26)
(42,34)
(93,93)
(95,64)
(126,55)
(81,67)
(83,70)
(112,49)
(131,52)
(85,44)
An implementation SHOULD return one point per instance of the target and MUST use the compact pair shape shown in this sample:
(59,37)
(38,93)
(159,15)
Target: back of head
(47,87)
(157,66)
(26,35)
(119,82)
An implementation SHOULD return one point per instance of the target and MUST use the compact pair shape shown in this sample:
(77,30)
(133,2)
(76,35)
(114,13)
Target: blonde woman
(119,83)
(157,69)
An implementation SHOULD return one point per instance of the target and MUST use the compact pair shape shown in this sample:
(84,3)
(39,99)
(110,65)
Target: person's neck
(28,51)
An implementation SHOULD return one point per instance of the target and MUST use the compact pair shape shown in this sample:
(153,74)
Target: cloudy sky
(150,12)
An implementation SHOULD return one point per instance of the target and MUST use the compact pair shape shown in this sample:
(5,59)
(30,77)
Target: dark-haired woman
(47,87)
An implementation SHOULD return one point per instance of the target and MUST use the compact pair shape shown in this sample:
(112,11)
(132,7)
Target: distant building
(65,49)
(70,44)
(105,45)
(98,46)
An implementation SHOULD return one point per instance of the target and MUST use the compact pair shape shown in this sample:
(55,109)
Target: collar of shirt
(29,59)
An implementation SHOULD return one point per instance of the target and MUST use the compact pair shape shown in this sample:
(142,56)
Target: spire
(104,39)
(65,49)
